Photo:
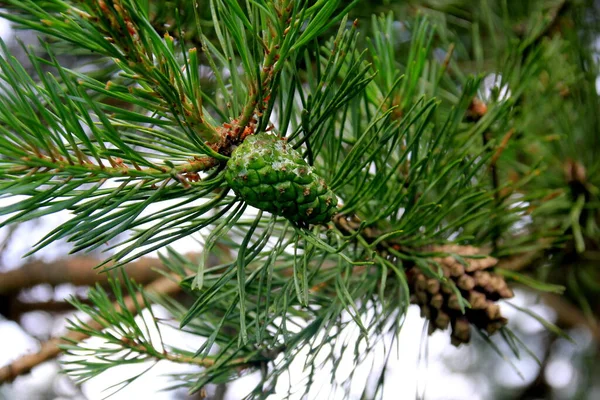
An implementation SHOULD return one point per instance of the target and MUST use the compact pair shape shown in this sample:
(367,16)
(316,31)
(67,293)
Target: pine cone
(270,175)
(440,304)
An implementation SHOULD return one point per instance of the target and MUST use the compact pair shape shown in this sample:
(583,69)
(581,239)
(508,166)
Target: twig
(50,349)
(501,147)
(569,315)
(520,261)
(495,186)
(552,19)
(207,361)
(525,260)
(118,169)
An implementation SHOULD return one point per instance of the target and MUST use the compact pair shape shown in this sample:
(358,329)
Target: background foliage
(433,122)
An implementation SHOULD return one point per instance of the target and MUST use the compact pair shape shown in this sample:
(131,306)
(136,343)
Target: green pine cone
(270,175)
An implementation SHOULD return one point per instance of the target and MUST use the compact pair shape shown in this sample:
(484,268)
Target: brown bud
(446,271)
(493,310)
(477,300)
(422,297)
(482,278)
(425,312)
(489,290)
(494,326)
(575,171)
(448,260)
(462,329)
(481,263)
(449,248)
(457,270)
(506,293)
(446,288)
(442,320)
(488,262)
(433,285)
(468,250)
(437,301)
(431,328)
(465,282)
(473,265)
(496,282)
(453,302)
(420,282)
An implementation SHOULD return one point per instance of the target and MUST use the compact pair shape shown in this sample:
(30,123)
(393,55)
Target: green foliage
(384,120)
(150,146)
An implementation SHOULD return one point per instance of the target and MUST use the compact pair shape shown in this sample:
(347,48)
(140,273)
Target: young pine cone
(439,302)
(270,175)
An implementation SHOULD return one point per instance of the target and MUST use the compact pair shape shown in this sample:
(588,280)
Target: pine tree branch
(50,349)
(410,173)
(33,165)
(206,361)
(162,286)
(74,270)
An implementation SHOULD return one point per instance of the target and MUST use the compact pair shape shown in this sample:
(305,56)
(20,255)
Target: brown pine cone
(440,303)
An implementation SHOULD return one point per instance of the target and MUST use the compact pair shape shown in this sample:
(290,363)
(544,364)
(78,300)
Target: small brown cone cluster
(440,304)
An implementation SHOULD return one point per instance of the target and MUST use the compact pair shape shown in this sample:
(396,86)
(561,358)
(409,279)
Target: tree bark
(79,271)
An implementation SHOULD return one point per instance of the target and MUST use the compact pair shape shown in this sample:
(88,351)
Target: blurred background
(564,103)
